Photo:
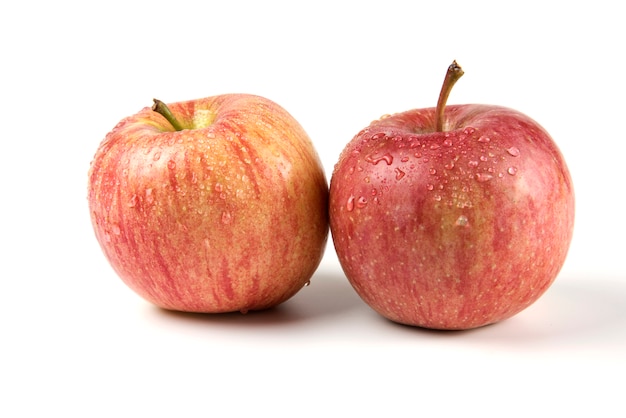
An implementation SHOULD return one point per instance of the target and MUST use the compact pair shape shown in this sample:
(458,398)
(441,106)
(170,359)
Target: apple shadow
(579,311)
(576,310)
(329,294)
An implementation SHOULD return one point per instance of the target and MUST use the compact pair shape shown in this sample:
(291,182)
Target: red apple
(451,220)
(212,205)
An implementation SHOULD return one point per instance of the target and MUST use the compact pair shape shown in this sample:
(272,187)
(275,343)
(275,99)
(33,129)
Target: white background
(77,342)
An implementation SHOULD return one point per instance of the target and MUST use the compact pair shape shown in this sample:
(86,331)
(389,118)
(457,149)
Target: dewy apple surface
(218,205)
(451,217)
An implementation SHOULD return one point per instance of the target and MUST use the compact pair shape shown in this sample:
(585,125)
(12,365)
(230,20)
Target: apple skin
(230,214)
(454,229)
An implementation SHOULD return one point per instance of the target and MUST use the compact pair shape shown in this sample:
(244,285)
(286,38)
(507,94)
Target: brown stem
(452,76)
(164,111)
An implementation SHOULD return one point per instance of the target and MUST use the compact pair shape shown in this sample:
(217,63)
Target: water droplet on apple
(226,217)
(404,159)
(434,146)
(399,174)
(447,143)
(450,165)
(149,196)
(484,139)
(430,187)
(350,204)
(512,170)
(432,171)
(483,177)
(377,136)
(473,163)
(469,130)
(116,229)
(418,154)
(308,283)
(156,156)
(361,202)
(218,187)
(484,158)
(514,151)
(171,164)
(462,221)
(387,158)
(133,201)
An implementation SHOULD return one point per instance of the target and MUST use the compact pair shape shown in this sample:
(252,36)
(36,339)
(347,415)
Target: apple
(212,205)
(451,217)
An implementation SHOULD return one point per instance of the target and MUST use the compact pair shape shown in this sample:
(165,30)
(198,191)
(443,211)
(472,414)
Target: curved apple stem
(452,76)
(162,109)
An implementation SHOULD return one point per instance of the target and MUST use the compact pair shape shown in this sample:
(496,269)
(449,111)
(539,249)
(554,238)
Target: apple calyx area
(162,109)
(452,76)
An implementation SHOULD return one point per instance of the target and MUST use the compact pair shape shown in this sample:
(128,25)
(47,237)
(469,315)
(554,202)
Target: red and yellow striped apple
(212,205)
(451,217)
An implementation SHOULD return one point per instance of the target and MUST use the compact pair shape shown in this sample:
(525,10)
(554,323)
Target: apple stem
(452,76)
(162,109)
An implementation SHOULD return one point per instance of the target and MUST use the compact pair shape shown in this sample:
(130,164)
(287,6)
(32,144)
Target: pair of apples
(451,217)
